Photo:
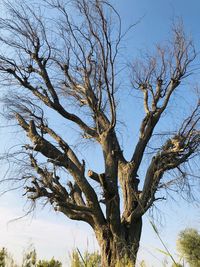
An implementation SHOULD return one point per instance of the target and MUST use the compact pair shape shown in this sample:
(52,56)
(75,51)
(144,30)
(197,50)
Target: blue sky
(55,235)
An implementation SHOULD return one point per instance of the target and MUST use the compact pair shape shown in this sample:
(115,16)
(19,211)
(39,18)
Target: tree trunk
(121,250)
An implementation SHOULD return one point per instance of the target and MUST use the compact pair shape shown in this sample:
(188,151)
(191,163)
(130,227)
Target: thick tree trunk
(121,250)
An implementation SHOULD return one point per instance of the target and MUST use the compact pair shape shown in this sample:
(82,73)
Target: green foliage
(6,259)
(124,262)
(75,259)
(3,254)
(30,258)
(189,245)
(87,260)
(143,264)
(92,259)
(177,265)
(51,263)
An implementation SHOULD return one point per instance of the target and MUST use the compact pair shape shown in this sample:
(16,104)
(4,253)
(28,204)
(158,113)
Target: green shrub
(87,260)
(189,245)
(3,254)
(51,263)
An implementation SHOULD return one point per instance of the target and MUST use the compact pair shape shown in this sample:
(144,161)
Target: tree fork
(81,68)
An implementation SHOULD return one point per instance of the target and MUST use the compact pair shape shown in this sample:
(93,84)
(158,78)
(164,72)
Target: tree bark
(119,250)
(85,60)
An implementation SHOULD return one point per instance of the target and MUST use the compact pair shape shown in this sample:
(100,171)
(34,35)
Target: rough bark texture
(122,248)
(82,67)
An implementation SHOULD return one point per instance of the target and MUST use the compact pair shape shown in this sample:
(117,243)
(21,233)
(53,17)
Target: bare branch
(158,78)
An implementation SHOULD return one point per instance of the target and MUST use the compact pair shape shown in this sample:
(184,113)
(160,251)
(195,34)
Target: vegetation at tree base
(76,260)
(29,260)
(88,259)
(177,265)
(51,263)
(6,259)
(3,254)
(143,264)
(68,70)
(189,246)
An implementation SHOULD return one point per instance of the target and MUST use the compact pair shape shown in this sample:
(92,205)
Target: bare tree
(69,67)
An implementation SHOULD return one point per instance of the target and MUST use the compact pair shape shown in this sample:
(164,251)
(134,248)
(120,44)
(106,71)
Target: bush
(189,245)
